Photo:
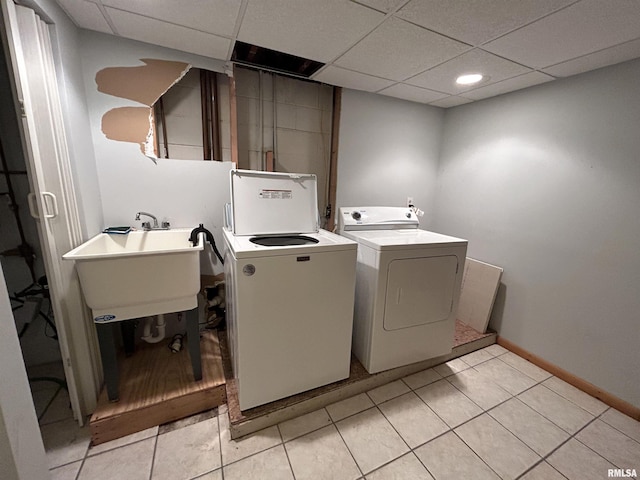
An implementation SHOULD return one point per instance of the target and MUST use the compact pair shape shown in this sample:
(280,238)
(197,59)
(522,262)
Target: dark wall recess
(255,56)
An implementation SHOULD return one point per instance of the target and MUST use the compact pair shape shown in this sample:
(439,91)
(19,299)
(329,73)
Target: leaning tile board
(479,288)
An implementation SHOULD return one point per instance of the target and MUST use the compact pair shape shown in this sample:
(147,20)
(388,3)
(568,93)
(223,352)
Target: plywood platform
(245,422)
(156,386)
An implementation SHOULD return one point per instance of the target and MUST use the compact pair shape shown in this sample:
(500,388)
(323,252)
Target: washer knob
(356,215)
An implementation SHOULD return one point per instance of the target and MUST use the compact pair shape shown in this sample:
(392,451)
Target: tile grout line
(422,463)
(587,446)
(483,411)
(616,428)
(310,431)
(539,462)
(574,404)
(474,452)
(248,456)
(153,455)
(452,429)
(87,454)
(571,437)
(543,459)
(80,469)
(476,403)
(286,453)
(569,400)
(220,441)
(525,373)
(347,446)
(84,459)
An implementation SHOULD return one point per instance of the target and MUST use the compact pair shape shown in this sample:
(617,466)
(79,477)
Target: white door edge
(79,351)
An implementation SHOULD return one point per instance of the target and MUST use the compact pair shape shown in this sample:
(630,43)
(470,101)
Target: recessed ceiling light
(469,79)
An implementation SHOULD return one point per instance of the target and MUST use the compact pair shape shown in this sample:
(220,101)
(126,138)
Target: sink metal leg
(193,340)
(106,340)
(128,330)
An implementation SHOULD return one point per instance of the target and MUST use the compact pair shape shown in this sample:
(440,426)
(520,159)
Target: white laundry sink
(138,274)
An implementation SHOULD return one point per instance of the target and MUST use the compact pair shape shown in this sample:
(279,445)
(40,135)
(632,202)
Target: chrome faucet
(148,226)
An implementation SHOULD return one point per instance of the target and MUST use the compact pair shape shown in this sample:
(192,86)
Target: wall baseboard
(605,397)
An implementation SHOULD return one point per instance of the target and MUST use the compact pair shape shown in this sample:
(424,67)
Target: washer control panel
(376,218)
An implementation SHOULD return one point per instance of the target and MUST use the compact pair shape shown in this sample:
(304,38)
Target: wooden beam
(270,164)
(579,383)
(215,116)
(205,94)
(233,119)
(333,162)
(163,120)
(156,140)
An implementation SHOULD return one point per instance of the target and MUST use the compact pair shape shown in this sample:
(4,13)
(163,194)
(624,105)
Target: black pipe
(193,238)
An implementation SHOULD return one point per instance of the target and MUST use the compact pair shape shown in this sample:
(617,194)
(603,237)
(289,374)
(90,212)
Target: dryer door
(419,291)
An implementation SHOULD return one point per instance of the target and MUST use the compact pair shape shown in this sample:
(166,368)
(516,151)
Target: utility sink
(138,274)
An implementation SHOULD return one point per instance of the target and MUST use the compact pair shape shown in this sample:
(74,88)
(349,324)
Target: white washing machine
(290,288)
(407,287)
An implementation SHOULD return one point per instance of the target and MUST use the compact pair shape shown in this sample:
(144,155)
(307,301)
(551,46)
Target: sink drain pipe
(160,329)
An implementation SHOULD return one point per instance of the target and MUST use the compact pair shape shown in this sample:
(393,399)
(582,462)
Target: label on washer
(270,194)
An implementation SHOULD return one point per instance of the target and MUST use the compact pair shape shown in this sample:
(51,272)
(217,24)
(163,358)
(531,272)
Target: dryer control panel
(376,218)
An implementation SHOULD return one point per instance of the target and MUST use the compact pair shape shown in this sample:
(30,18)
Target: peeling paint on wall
(127,124)
(144,84)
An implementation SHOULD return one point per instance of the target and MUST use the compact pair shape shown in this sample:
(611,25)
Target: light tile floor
(487,415)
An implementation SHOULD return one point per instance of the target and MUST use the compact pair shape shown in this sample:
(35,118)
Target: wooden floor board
(156,386)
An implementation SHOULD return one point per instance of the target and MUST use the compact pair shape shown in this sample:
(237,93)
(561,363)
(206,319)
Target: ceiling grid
(411,49)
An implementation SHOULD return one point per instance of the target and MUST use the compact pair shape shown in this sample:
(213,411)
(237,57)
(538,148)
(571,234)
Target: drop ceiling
(410,49)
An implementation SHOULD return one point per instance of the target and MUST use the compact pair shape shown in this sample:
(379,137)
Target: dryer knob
(356,215)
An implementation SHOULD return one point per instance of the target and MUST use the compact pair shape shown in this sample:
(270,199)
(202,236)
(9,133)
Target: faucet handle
(166,225)
(146,225)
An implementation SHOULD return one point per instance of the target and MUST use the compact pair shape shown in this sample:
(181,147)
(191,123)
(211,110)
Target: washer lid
(273,203)
(376,218)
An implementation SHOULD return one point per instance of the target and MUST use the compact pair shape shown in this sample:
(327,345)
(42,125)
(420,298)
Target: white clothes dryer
(407,287)
(290,289)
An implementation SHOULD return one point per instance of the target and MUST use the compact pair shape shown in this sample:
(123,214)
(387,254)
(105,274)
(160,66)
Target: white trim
(42,124)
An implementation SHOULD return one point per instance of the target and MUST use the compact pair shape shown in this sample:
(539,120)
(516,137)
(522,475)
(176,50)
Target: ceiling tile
(148,30)
(415,94)
(212,16)
(384,6)
(452,101)
(443,77)
(398,50)
(477,22)
(582,28)
(86,15)
(608,56)
(307,28)
(346,78)
(509,85)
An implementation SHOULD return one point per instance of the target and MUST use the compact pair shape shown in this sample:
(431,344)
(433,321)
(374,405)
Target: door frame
(77,338)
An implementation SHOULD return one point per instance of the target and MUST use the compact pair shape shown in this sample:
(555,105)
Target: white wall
(388,151)
(22,453)
(183,192)
(545,182)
